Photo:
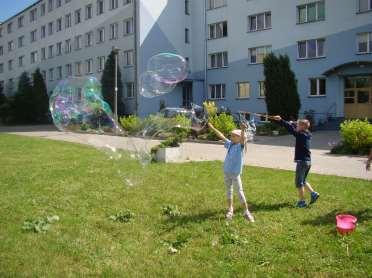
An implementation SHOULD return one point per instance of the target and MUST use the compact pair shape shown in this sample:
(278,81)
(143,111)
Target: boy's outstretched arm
(291,129)
(218,133)
(243,128)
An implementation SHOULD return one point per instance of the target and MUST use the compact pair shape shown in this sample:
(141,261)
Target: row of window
(128,28)
(243,89)
(113,4)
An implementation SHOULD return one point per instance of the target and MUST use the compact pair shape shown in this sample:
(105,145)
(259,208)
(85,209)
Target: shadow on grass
(269,207)
(330,218)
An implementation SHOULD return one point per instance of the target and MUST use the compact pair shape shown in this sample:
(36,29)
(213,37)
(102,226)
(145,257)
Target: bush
(224,123)
(356,136)
(211,108)
(132,124)
(268,128)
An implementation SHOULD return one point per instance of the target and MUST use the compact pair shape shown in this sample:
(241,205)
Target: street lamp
(116,51)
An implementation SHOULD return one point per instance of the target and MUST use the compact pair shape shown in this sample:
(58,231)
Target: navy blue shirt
(303,139)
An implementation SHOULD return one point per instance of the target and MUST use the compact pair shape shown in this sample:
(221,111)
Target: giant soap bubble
(77,105)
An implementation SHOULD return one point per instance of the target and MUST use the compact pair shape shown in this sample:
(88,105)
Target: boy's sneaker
(301,204)
(229,215)
(314,197)
(248,216)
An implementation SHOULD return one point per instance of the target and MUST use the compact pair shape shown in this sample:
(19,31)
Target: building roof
(334,70)
(17,14)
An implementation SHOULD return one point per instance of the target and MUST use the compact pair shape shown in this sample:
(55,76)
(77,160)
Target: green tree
(40,97)
(281,87)
(108,84)
(23,110)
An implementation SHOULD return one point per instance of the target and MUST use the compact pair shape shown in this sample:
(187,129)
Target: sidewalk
(270,152)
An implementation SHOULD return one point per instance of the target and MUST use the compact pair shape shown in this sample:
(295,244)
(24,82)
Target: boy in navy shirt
(300,130)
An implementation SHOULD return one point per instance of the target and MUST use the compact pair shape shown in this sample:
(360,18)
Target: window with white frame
(217,30)
(113,31)
(261,89)
(34,58)
(11,46)
(218,60)
(259,22)
(68,70)
(89,66)
(59,73)
(187,7)
(78,70)
(78,16)
(68,22)
(217,91)
(101,35)
(214,4)
(128,58)
(88,11)
(20,21)
(1,32)
(9,27)
(50,5)
(243,89)
(78,42)
(68,46)
(33,14)
(20,61)
(51,74)
(1,50)
(59,24)
(100,7)
(10,65)
(114,4)
(126,2)
(42,9)
(21,40)
(50,51)
(43,53)
(59,48)
(2,69)
(101,63)
(317,87)
(365,5)
(311,49)
(129,90)
(58,3)
(311,12)
(258,54)
(89,39)
(364,41)
(128,26)
(33,36)
(43,31)
(50,28)
(187,35)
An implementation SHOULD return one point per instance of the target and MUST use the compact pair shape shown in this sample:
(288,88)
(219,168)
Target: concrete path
(271,152)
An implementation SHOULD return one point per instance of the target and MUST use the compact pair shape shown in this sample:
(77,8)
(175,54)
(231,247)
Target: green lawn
(80,185)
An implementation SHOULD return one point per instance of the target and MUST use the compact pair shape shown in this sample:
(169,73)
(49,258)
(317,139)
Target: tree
(281,87)
(40,96)
(108,84)
(23,104)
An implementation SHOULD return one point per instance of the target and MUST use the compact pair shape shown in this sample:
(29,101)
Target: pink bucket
(345,223)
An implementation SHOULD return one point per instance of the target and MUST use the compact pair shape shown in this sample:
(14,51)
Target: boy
(302,157)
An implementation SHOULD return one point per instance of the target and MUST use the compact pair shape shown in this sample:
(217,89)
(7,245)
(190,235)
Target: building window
(68,46)
(78,68)
(128,26)
(262,89)
(217,91)
(68,21)
(243,89)
(311,12)
(187,35)
(21,41)
(50,5)
(33,15)
(59,48)
(33,36)
(126,2)
(59,73)
(214,4)
(113,31)
(78,16)
(364,43)
(50,28)
(2,70)
(218,60)
(1,32)
(20,21)
(89,66)
(43,31)
(20,61)
(1,50)
(259,22)
(78,42)
(10,65)
(365,5)
(89,39)
(101,35)
(100,7)
(187,7)
(68,69)
(59,24)
(10,46)
(50,51)
(88,11)
(130,90)
(317,87)
(101,63)
(113,4)
(258,54)
(34,58)
(58,3)
(42,9)
(311,49)
(218,30)
(9,27)
(128,58)
(43,53)
(51,74)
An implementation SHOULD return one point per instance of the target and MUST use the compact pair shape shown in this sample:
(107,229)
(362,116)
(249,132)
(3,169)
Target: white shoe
(229,215)
(247,215)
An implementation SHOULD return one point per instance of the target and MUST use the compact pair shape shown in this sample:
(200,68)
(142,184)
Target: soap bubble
(152,87)
(169,68)
(77,105)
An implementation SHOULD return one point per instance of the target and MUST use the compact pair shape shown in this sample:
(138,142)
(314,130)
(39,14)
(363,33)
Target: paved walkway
(271,152)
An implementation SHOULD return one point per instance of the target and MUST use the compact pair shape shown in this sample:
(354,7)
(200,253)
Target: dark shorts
(302,170)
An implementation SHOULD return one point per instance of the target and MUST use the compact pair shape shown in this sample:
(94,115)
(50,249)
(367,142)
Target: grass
(171,207)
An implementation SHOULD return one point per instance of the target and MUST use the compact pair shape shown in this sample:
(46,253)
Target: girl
(233,166)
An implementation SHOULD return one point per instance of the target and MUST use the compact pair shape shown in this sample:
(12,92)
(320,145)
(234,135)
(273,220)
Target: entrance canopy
(343,69)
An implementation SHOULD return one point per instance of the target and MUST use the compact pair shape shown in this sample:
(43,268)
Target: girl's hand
(277,118)
(243,126)
(210,125)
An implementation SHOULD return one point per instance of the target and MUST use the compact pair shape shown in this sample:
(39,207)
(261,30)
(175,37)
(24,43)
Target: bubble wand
(257,114)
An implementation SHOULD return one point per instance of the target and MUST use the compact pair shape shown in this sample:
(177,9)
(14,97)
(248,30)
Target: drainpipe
(205,52)
(136,48)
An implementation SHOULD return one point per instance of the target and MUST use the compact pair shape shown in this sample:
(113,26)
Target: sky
(12,7)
